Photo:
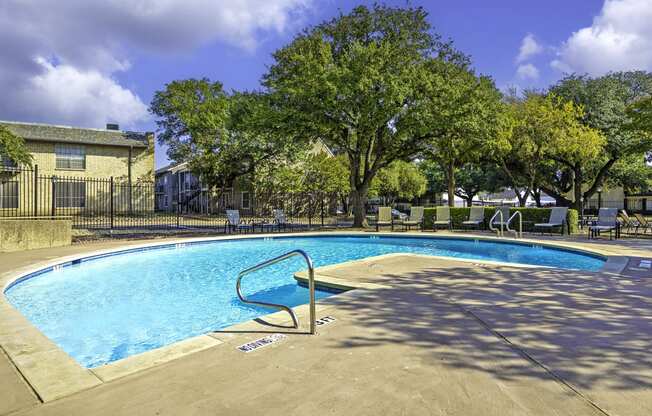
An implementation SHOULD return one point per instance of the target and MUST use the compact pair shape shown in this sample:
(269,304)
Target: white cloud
(529,48)
(527,72)
(64,92)
(59,61)
(620,38)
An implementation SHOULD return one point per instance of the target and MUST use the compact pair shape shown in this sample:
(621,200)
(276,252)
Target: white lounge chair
(281,221)
(476,218)
(384,218)
(415,219)
(443,218)
(642,223)
(234,222)
(557,219)
(607,221)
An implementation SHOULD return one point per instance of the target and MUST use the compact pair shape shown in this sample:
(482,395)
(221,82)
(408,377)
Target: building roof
(172,168)
(76,135)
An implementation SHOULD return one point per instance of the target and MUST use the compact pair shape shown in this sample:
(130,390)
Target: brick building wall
(101,161)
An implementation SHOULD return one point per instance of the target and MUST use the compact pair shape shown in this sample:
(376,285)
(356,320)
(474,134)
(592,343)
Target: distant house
(73,168)
(177,188)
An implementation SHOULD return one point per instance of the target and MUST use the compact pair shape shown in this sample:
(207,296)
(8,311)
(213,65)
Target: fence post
(35,193)
(53,212)
(322,211)
(178,197)
(111,201)
(310,210)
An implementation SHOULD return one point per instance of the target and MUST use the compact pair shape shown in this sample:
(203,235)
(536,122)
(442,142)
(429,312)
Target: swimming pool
(103,309)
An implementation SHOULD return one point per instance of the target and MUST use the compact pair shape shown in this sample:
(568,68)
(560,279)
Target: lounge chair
(443,218)
(415,219)
(281,221)
(557,219)
(607,221)
(234,222)
(642,223)
(496,221)
(476,218)
(628,222)
(384,218)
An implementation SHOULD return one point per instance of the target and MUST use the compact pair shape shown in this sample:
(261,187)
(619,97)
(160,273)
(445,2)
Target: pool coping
(53,374)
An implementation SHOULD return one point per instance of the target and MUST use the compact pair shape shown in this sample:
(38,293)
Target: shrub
(531,216)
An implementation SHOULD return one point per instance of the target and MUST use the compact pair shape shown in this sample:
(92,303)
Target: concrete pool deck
(423,336)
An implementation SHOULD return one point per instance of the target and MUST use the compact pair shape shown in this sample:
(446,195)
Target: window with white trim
(70,194)
(246,202)
(9,191)
(70,157)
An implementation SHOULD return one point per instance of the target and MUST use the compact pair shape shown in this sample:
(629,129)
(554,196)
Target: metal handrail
(519,233)
(311,286)
(499,231)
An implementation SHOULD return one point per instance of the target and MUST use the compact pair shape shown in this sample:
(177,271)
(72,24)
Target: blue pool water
(105,309)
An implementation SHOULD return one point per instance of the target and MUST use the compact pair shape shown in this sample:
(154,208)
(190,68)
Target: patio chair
(496,222)
(628,222)
(384,218)
(234,222)
(415,219)
(607,221)
(476,218)
(443,218)
(642,223)
(557,219)
(281,221)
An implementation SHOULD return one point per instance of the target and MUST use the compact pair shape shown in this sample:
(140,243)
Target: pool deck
(419,335)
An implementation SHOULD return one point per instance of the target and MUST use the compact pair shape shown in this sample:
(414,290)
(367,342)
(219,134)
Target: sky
(88,62)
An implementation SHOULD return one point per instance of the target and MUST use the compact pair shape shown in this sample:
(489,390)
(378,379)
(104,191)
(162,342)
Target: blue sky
(102,62)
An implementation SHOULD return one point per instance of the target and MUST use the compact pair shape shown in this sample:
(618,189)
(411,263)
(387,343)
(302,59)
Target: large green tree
(222,136)
(401,180)
(632,173)
(359,82)
(605,101)
(544,145)
(459,135)
(13,147)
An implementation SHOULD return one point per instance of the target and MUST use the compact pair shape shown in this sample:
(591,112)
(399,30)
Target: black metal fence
(107,203)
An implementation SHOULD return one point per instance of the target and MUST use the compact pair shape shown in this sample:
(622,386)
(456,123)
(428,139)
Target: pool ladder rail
(519,233)
(499,231)
(311,286)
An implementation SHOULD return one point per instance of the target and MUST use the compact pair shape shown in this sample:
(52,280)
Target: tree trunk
(560,199)
(451,184)
(522,199)
(537,197)
(359,202)
(578,179)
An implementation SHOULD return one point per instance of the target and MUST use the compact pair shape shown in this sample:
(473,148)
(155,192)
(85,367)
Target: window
(70,157)
(245,200)
(165,201)
(7,163)
(9,194)
(70,194)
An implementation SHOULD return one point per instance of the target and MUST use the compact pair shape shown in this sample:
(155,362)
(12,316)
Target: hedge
(531,216)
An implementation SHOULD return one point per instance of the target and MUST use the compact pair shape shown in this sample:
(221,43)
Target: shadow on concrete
(591,329)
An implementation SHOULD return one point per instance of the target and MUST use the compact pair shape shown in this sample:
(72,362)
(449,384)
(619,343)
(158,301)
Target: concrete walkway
(433,337)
